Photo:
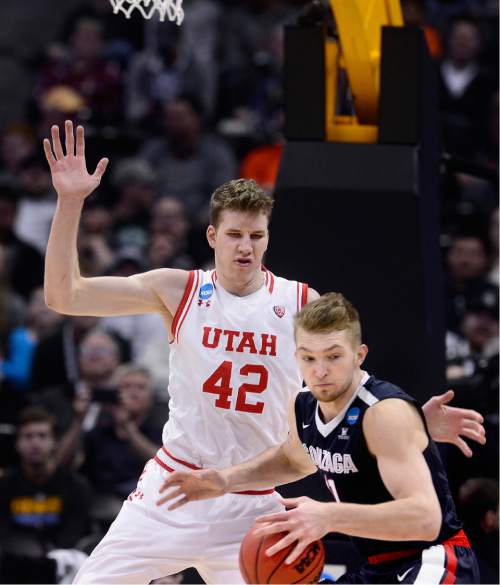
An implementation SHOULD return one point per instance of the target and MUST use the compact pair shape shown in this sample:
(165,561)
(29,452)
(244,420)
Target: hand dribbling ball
(257,567)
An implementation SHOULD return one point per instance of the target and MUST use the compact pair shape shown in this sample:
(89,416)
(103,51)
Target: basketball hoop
(172,9)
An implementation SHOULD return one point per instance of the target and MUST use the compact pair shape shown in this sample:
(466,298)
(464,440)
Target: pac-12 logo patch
(206,291)
(352,415)
(279,310)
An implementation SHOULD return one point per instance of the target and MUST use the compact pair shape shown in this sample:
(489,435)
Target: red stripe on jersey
(271,285)
(193,291)
(458,539)
(392,556)
(183,302)
(451,564)
(190,465)
(303,300)
(298,297)
(161,464)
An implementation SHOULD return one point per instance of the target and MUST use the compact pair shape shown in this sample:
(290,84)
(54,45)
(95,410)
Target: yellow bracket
(359,24)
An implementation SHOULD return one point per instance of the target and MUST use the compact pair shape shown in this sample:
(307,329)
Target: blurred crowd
(180,110)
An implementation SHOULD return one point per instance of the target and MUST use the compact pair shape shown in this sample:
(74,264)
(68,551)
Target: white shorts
(146,542)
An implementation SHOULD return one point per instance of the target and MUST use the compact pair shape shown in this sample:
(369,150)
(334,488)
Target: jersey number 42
(219,383)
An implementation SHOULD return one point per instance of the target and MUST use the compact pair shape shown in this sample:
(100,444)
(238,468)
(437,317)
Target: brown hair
(331,312)
(36,414)
(239,195)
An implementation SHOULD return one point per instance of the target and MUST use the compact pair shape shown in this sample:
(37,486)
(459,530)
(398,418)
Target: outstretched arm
(278,465)
(66,291)
(447,424)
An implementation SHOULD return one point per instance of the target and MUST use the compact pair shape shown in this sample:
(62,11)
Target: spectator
(12,306)
(126,435)
(22,341)
(478,502)
(493,239)
(164,251)
(17,143)
(414,14)
(99,355)
(159,74)
(190,162)
(94,239)
(84,68)
(246,30)
(169,218)
(42,505)
(134,181)
(467,263)
(55,362)
(465,88)
(23,263)
(37,203)
(470,352)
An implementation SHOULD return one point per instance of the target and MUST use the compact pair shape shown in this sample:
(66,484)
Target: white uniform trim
(367,397)
(433,565)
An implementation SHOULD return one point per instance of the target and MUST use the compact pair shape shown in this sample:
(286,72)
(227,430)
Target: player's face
(239,241)
(329,362)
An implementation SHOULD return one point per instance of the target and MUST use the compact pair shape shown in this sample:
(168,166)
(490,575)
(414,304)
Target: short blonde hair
(331,312)
(239,195)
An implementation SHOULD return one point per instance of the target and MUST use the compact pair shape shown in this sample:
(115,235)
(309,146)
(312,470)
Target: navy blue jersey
(339,451)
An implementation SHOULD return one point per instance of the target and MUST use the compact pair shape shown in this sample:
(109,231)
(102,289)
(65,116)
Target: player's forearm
(269,469)
(62,271)
(403,519)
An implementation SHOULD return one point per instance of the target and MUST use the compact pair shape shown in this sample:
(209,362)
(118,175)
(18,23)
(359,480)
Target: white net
(171,9)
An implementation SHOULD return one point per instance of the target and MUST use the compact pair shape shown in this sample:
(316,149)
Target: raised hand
(448,424)
(192,485)
(69,172)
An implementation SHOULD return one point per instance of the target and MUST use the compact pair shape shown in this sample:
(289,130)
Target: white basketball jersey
(232,370)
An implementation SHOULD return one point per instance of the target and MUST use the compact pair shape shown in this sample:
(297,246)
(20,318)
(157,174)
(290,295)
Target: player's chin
(325,393)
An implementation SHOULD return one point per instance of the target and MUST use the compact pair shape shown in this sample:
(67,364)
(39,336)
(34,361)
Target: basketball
(256,567)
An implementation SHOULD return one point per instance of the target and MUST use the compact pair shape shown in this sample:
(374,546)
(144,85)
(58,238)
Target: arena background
(407,228)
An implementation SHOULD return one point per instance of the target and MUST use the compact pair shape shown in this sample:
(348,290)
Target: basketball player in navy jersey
(370,442)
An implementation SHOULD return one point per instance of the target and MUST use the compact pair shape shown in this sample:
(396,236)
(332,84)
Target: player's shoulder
(375,390)
(305,398)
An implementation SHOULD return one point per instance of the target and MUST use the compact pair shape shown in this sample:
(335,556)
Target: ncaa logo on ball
(206,291)
(352,415)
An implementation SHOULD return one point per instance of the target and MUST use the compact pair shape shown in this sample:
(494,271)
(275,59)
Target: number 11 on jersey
(219,383)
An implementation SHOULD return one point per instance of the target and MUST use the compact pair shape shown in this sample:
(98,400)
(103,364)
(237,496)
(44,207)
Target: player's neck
(243,287)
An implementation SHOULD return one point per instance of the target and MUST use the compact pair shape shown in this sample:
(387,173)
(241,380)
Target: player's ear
(362,353)
(211,236)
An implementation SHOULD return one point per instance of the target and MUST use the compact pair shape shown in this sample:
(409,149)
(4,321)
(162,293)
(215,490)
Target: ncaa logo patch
(352,415)
(206,291)
(279,310)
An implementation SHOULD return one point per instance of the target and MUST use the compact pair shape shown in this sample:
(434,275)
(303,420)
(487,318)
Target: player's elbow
(431,520)
(59,301)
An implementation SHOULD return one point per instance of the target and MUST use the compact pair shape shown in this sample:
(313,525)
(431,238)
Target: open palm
(69,172)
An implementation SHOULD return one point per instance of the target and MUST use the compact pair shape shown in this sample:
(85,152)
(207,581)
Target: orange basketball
(256,567)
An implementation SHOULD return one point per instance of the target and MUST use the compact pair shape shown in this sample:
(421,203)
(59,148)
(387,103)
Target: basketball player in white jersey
(232,373)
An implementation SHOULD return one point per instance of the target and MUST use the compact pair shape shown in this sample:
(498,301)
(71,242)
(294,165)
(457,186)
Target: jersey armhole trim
(302,290)
(305,291)
(182,305)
